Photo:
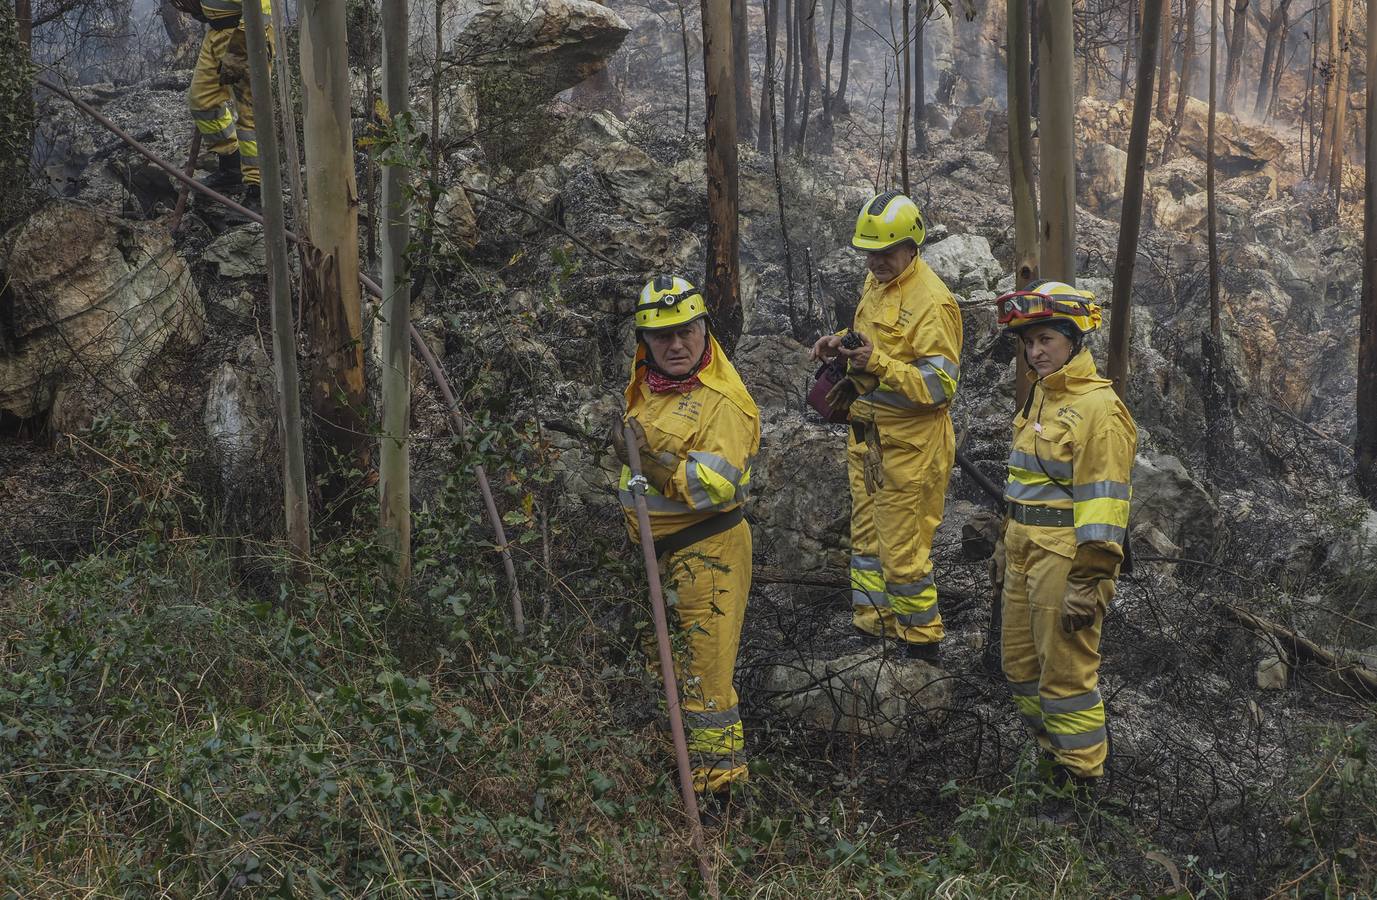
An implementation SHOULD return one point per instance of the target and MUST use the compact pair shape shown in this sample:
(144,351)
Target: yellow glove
(1090,586)
(872,464)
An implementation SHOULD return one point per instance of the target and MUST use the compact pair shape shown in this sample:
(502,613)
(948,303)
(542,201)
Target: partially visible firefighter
(697,430)
(903,358)
(1064,537)
(221,99)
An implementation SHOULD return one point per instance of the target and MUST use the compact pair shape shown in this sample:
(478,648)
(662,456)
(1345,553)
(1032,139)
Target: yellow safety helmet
(668,301)
(887,220)
(1044,302)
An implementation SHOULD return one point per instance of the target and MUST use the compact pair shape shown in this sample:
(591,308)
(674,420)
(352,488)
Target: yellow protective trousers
(1053,675)
(224,129)
(711,581)
(893,592)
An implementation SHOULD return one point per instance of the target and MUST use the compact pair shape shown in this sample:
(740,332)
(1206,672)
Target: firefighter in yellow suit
(1068,500)
(222,75)
(902,378)
(697,429)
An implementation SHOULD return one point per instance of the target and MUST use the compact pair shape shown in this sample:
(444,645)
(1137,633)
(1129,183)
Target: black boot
(930,653)
(227,177)
(252,200)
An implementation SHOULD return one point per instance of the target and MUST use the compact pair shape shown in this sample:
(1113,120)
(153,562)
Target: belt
(1042,515)
(687,537)
(225,23)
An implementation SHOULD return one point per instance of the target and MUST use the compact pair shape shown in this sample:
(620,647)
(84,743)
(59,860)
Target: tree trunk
(1240,38)
(906,89)
(790,70)
(812,67)
(1308,156)
(1057,181)
(394,485)
(721,284)
(284,99)
(1021,167)
(1271,56)
(1164,89)
(765,133)
(296,504)
(1366,444)
(741,67)
(849,22)
(1278,69)
(827,127)
(1183,88)
(370,188)
(1035,55)
(920,130)
(331,308)
(1326,152)
(1336,166)
(1132,24)
(1210,211)
(23,21)
(684,42)
(1130,219)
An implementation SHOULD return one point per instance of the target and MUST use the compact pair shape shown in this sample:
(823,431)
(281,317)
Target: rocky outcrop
(91,300)
(963,262)
(550,44)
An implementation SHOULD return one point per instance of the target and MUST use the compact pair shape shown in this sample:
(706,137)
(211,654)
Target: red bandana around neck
(659,383)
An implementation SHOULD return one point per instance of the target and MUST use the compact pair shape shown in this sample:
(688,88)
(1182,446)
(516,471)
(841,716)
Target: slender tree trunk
(827,126)
(790,69)
(1308,157)
(741,67)
(284,99)
(1035,55)
(765,133)
(1366,444)
(1240,39)
(296,503)
(920,130)
(771,83)
(1057,181)
(1128,50)
(23,21)
(684,41)
(1130,220)
(1021,167)
(1211,214)
(721,284)
(394,485)
(848,23)
(1271,56)
(370,187)
(331,307)
(1277,71)
(1167,58)
(1331,94)
(812,67)
(1336,166)
(1183,88)
(906,86)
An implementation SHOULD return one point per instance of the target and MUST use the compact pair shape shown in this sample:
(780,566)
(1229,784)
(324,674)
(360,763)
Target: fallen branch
(838,581)
(1356,679)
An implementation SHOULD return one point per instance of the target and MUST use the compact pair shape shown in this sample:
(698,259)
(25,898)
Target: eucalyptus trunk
(721,284)
(1366,444)
(1021,166)
(1331,103)
(1057,181)
(741,69)
(1336,165)
(1236,44)
(765,131)
(1165,64)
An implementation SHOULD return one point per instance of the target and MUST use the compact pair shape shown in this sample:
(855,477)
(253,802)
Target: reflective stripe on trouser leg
(248,136)
(712,579)
(1068,664)
(208,99)
(869,604)
(868,596)
(914,604)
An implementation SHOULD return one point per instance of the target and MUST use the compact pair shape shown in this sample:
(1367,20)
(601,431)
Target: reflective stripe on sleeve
(940,375)
(712,481)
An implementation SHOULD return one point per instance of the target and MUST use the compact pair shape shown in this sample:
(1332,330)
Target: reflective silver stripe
(248,138)
(1097,489)
(1018,491)
(1078,703)
(941,362)
(717,464)
(866,563)
(654,503)
(889,398)
(712,718)
(1020,460)
(937,388)
(1099,532)
(1077,741)
(869,598)
(922,617)
(211,115)
(1024,688)
(911,590)
(697,494)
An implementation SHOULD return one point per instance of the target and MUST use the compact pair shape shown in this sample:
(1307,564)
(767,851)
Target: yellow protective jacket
(1073,449)
(915,326)
(714,430)
(219,13)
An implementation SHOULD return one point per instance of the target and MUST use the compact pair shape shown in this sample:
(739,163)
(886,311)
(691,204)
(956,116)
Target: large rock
(551,44)
(1100,179)
(91,298)
(964,262)
(238,253)
(1168,498)
(800,499)
(239,418)
(864,693)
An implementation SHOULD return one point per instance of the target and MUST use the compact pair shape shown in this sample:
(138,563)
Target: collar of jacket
(719,374)
(873,283)
(1078,376)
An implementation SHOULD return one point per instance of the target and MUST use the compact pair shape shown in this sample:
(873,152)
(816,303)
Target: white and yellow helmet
(887,220)
(668,301)
(1043,302)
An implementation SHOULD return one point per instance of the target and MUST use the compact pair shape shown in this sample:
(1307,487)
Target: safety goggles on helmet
(1037,305)
(668,302)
